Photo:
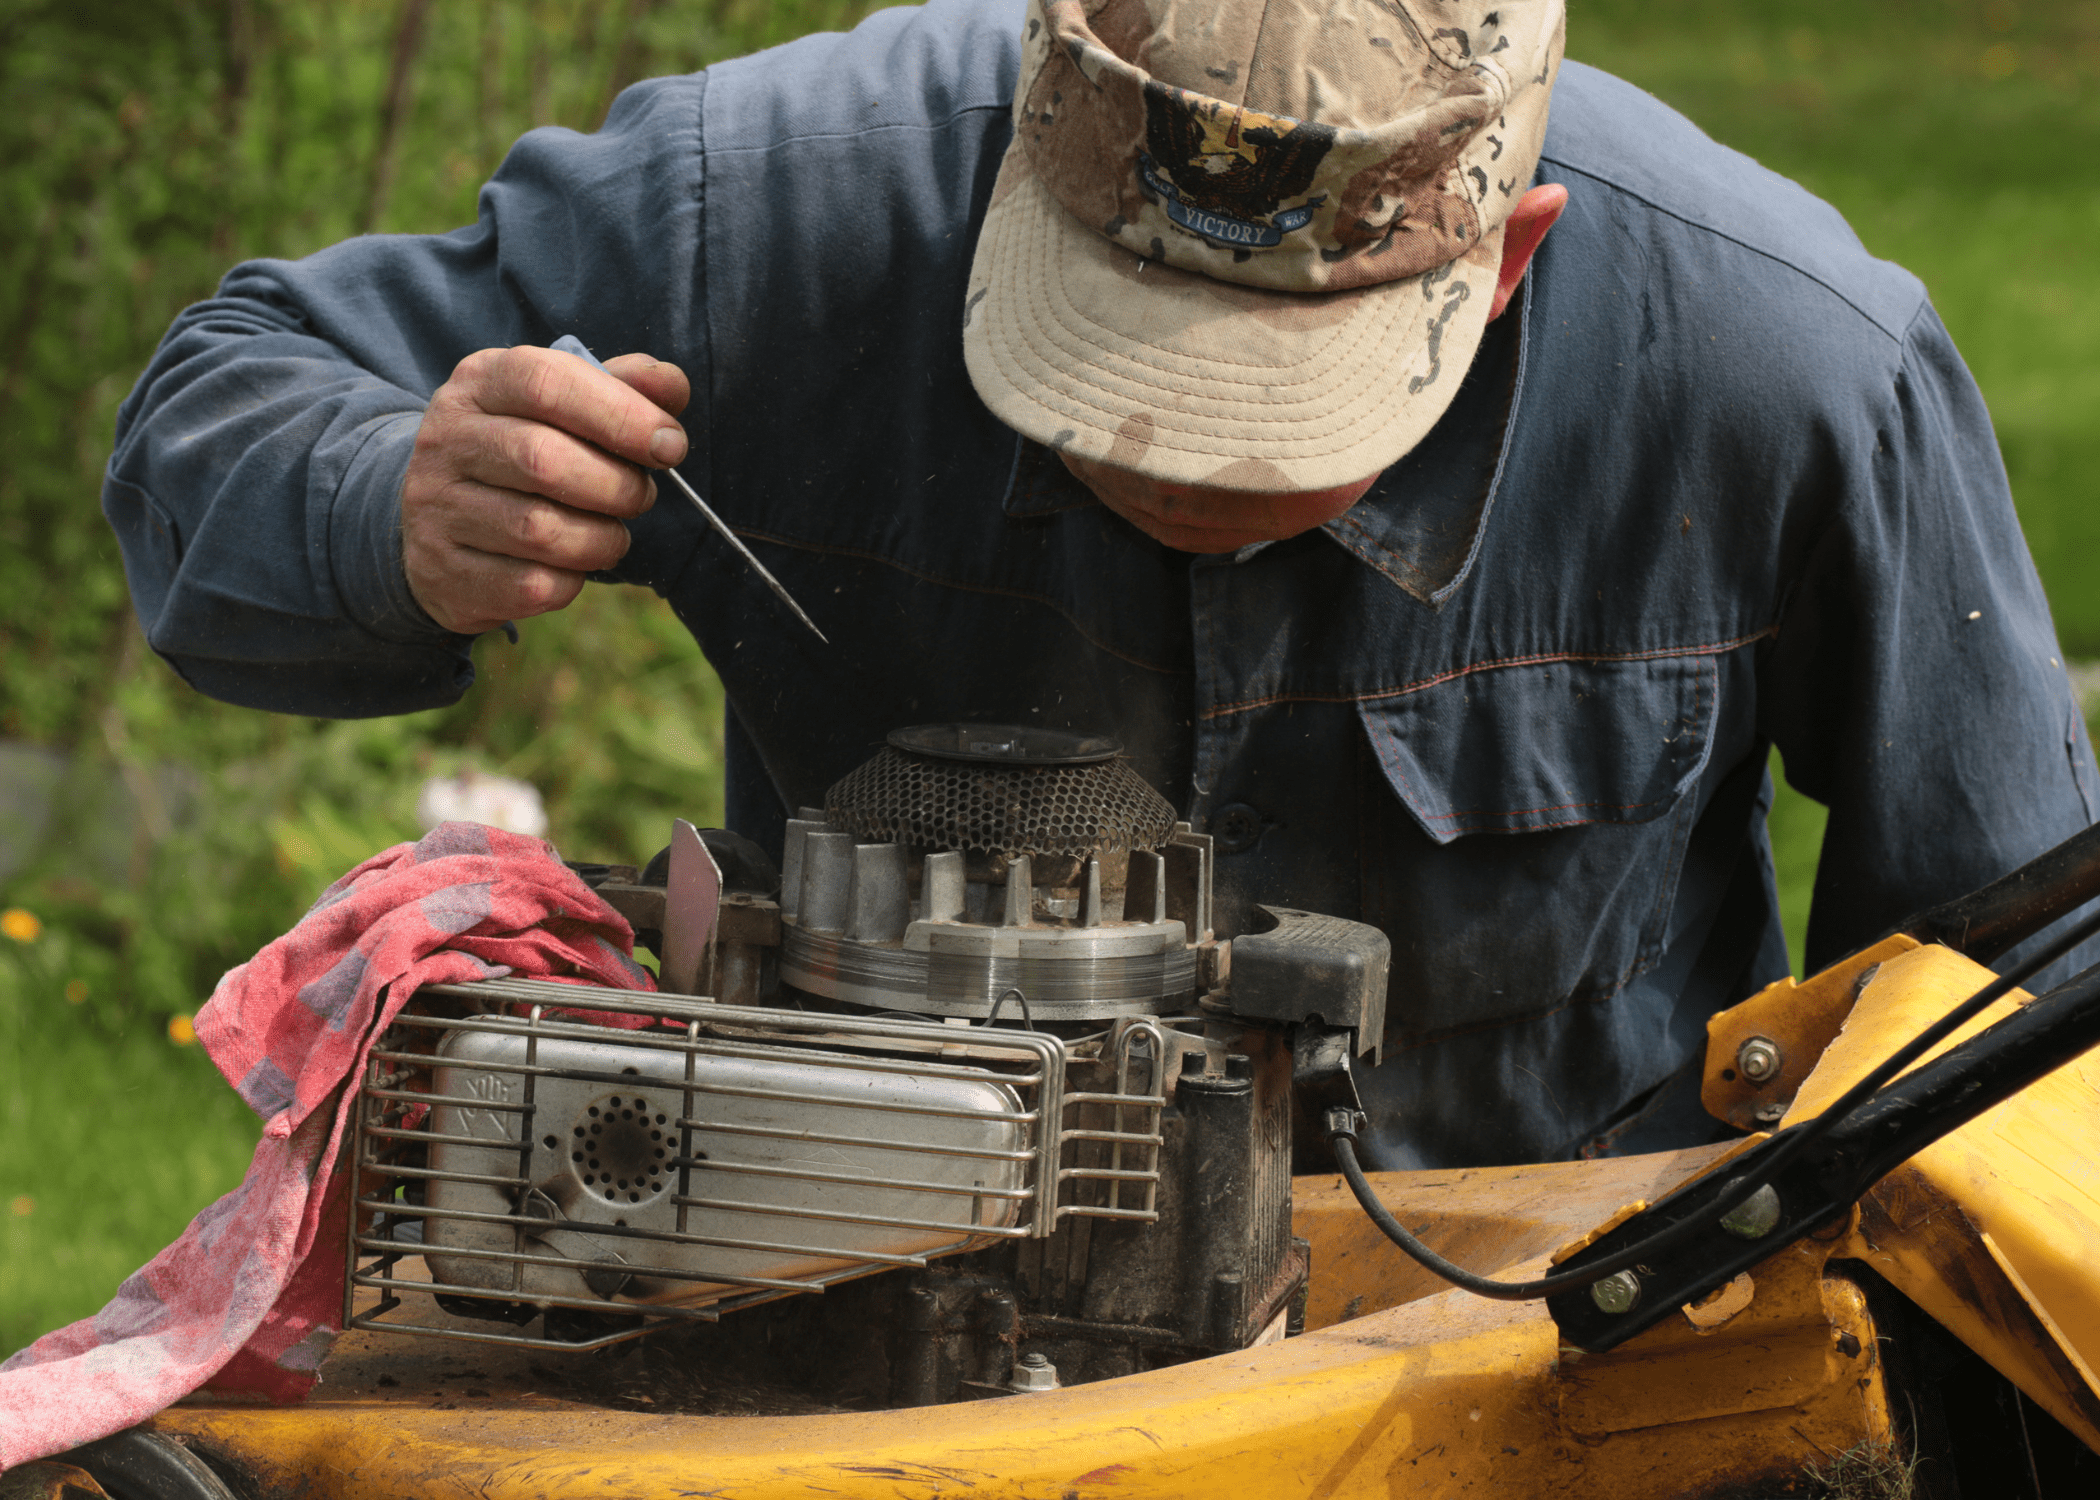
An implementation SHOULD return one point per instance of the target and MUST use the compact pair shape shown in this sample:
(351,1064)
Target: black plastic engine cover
(1310,967)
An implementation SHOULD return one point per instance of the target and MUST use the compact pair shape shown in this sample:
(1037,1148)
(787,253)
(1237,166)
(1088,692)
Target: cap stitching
(1038,296)
(1033,308)
(1075,397)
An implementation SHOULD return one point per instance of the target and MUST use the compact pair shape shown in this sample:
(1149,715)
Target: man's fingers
(525,466)
(533,458)
(528,528)
(476,555)
(479,591)
(662,382)
(563,391)
(537,530)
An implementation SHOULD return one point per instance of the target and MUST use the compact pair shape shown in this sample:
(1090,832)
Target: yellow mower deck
(1395,1389)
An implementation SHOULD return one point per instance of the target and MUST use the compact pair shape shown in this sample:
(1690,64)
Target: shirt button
(1235,828)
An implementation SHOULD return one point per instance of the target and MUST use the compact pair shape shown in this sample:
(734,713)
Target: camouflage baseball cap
(1252,243)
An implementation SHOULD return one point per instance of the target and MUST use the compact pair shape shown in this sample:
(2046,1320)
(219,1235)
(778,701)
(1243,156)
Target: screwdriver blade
(745,552)
(568,343)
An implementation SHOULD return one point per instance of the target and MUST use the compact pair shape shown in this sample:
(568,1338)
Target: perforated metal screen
(1071,811)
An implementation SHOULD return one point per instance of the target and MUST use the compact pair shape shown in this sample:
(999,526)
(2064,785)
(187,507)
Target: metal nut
(1759,1059)
(1617,1294)
(1033,1372)
(1755,1217)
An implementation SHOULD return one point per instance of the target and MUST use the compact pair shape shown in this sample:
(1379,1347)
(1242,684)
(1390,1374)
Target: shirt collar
(1420,524)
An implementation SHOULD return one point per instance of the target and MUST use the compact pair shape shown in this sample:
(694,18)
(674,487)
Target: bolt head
(1759,1059)
(1617,1294)
(1236,828)
(1033,1372)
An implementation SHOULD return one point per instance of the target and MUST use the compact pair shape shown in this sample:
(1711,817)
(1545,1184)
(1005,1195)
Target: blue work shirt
(1718,481)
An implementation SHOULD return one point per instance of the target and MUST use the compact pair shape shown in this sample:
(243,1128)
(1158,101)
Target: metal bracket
(692,900)
(1805,1188)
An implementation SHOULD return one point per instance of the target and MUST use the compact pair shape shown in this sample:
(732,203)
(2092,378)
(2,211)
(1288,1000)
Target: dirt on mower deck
(652,1374)
(685,1370)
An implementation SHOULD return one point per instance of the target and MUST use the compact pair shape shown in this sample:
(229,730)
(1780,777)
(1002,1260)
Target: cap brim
(1078,343)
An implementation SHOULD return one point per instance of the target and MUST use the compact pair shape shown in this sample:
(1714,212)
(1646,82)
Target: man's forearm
(253,488)
(257,480)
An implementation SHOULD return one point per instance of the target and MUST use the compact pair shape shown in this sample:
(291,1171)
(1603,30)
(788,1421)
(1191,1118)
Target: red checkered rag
(246,1302)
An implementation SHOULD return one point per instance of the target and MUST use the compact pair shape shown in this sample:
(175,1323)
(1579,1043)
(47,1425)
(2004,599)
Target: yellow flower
(76,991)
(20,925)
(182,1031)
(23,1206)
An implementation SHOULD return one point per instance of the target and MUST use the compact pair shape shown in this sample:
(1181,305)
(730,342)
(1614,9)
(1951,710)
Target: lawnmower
(954,1155)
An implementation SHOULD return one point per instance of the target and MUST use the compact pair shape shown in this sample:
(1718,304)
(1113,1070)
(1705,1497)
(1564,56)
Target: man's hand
(523,473)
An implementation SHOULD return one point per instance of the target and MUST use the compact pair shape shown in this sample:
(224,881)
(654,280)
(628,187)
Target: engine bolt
(1033,1372)
(1755,1217)
(1617,1294)
(1759,1059)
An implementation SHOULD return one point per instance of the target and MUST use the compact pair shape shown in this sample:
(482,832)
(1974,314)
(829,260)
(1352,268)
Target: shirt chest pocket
(1532,824)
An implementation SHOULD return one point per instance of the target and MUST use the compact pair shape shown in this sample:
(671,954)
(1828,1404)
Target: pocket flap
(1520,748)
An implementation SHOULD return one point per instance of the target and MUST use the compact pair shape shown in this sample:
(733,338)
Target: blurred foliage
(107,1147)
(150,144)
(1962,140)
(1796,827)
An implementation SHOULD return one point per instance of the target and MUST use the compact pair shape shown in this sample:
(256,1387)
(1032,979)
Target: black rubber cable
(1789,1144)
(1344,1145)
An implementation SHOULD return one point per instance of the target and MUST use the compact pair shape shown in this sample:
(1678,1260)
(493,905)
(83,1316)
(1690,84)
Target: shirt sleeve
(1916,687)
(256,478)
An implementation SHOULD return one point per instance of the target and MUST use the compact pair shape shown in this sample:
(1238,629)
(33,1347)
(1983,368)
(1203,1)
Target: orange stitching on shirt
(1710,648)
(1699,694)
(1525,812)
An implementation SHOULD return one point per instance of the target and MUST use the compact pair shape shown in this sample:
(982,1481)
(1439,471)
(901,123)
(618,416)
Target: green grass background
(149,144)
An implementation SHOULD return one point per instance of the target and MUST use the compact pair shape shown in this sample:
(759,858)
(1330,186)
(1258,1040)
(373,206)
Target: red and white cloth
(247,1301)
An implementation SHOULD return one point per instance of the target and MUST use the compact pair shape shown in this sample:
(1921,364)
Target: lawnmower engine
(969,1060)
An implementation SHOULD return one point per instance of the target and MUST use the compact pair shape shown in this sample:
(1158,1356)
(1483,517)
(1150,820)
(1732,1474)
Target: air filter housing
(1001,790)
(986,870)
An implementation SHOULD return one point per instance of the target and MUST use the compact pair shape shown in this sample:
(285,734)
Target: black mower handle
(1988,923)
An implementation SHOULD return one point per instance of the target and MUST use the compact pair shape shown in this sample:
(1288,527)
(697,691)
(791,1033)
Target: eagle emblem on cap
(1222,172)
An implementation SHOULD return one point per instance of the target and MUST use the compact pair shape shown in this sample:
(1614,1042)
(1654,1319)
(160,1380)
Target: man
(1448,511)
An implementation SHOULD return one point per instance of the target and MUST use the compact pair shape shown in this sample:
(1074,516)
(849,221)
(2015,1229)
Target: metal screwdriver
(568,343)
